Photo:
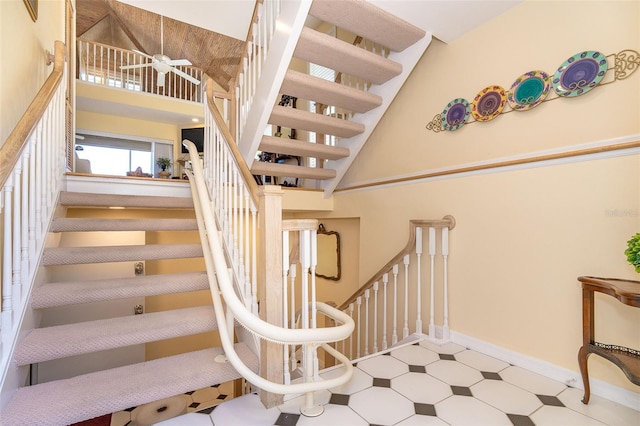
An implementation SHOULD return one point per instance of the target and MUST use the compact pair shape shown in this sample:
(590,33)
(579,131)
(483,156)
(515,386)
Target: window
(119,154)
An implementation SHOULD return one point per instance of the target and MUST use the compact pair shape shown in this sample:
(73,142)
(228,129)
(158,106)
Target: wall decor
(488,103)
(32,7)
(576,76)
(455,114)
(529,90)
(580,73)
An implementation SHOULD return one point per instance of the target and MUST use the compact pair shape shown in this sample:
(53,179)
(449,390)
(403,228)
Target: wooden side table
(628,360)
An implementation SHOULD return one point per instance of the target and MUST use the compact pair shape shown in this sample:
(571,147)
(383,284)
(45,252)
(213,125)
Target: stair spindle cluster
(380,310)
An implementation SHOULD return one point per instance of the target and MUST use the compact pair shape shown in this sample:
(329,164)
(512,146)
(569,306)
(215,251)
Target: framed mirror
(328,266)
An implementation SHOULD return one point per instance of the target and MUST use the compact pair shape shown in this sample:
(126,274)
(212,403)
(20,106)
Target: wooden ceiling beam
(124,28)
(93,25)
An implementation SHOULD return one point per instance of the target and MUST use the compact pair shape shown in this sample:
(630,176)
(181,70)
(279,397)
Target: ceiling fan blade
(160,81)
(186,76)
(143,54)
(130,67)
(175,62)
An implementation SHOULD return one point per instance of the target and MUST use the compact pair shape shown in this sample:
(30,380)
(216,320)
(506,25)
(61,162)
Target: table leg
(583,354)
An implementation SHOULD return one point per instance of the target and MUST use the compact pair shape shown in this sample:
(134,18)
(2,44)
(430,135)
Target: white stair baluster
(7,303)
(367,295)
(405,329)
(432,254)
(351,337)
(285,307)
(24,229)
(17,234)
(292,278)
(359,303)
(376,285)
(445,255)
(385,281)
(394,335)
(419,281)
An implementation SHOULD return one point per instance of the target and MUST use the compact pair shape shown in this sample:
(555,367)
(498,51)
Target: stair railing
(270,45)
(221,273)
(233,190)
(32,164)
(100,64)
(388,307)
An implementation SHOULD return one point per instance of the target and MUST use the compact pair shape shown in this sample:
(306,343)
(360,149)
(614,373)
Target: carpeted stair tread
(304,120)
(91,395)
(305,86)
(69,293)
(64,224)
(302,148)
(79,199)
(368,21)
(61,341)
(346,58)
(290,170)
(82,255)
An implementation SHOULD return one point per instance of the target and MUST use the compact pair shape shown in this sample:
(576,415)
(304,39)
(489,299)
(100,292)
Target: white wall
(522,236)
(23,46)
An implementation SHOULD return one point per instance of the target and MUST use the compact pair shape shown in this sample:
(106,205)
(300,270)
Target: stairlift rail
(221,284)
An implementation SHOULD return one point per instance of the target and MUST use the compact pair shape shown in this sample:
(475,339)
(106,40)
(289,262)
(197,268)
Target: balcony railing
(100,64)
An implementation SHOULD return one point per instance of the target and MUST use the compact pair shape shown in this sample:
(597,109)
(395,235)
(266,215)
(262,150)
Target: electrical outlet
(138,268)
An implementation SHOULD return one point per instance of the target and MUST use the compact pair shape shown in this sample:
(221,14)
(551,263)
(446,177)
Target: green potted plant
(633,252)
(164,163)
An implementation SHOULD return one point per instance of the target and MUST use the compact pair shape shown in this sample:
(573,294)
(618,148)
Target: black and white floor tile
(201,401)
(427,384)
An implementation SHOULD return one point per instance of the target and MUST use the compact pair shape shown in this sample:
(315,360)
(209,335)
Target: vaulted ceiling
(120,25)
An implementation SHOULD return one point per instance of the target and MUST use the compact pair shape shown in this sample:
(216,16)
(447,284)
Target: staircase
(369,74)
(86,396)
(358,107)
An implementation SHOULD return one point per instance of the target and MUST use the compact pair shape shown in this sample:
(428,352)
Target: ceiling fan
(162,63)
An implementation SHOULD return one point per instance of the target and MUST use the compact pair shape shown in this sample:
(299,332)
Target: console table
(628,360)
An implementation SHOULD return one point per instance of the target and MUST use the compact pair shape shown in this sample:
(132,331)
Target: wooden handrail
(242,165)
(446,222)
(15,143)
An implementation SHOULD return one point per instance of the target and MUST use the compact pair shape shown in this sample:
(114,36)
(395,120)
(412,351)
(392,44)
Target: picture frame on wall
(32,7)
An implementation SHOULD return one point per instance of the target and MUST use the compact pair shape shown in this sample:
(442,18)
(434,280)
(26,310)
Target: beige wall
(22,46)
(125,126)
(522,236)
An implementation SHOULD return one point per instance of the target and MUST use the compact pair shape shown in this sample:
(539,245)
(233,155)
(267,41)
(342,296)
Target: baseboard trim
(571,378)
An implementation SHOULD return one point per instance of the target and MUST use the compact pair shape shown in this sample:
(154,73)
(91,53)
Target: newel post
(270,285)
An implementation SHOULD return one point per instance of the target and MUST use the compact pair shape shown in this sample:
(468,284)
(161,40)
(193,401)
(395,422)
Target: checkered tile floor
(201,400)
(427,384)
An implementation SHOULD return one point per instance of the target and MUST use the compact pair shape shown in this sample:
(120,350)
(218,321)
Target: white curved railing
(221,283)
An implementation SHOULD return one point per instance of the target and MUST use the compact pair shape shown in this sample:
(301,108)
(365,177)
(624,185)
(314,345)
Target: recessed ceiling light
(195,120)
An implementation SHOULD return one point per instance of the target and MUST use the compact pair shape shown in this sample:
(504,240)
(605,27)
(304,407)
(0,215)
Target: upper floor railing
(101,64)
